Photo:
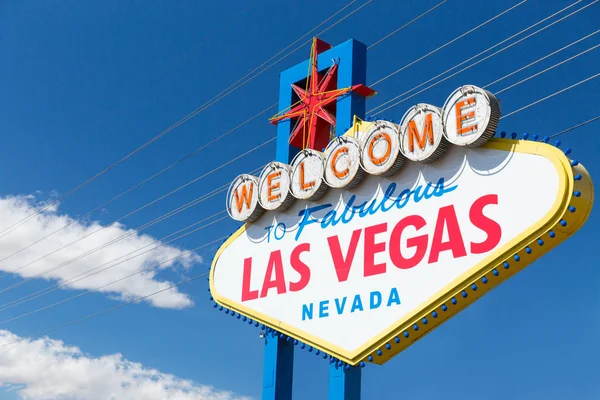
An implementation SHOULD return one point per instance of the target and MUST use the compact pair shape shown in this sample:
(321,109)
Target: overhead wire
(137,210)
(103,205)
(589,121)
(98,289)
(233,87)
(447,43)
(395,103)
(407,24)
(91,251)
(551,95)
(96,314)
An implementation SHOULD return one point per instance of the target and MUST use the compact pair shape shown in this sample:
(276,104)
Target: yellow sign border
(569,212)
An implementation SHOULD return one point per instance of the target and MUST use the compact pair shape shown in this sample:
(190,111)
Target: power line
(548,69)
(447,43)
(99,288)
(196,151)
(145,206)
(407,24)
(541,59)
(481,60)
(551,95)
(105,310)
(233,87)
(589,121)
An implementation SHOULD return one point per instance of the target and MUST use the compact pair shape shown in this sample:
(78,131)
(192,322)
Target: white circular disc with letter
(471,116)
(422,133)
(380,149)
(242,199)
(342,163)
(306,175)
(274,187)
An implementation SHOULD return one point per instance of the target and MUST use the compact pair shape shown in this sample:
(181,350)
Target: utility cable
(106,310)
(589,121)
(99,288)
(481,60)
(389,35)
(233,87)
(447,43)
(143,207)
(551,95)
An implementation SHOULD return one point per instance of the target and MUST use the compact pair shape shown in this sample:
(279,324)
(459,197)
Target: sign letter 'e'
(274,187)
(470,116)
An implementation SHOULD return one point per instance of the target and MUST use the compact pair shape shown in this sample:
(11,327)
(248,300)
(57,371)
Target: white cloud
(14,209)
(46,369)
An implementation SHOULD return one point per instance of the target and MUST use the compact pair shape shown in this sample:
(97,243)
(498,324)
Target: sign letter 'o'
(422,133)
(471,116)
(242,199)
(380,149)
(307,175)
(342,163)
(274,187)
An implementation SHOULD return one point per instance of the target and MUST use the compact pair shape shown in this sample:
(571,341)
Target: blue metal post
(278,369)
(344,384)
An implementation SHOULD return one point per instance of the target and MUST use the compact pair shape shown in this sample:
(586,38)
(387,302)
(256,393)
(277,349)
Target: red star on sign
(313,115)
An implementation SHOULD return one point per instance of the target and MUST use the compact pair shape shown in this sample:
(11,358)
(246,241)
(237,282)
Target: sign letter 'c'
(244,198)
(413,133)
(460,117)
(338,174)
(380,160)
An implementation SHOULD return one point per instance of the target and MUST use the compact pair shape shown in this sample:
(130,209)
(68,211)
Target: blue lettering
(356,304)
(307,312)
(324,309)
(340,307)
(394,297)
(306,219)
(374,295)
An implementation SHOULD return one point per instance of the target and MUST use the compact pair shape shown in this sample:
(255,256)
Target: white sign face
(380,149)
(307,175)
(471,116)
(242,199)
(342,163)
(274,187)
(344,270)
(422,133)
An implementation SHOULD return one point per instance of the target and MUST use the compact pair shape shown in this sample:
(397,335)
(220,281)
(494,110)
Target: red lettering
(489,226)
(447,218)
(248,294)
(342,265)
(418,242)
(275,265)
(372,248)
(300,267)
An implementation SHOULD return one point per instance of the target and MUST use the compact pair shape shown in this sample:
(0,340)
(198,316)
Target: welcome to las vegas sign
(362,249)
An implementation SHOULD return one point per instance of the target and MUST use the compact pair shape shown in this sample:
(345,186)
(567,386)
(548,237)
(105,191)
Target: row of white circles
(469,118)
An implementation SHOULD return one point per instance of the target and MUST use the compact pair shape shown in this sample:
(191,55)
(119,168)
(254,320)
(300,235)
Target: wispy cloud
(45,369)
(14,209)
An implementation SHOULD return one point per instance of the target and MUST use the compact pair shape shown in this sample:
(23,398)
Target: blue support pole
(278,368)
(344,384)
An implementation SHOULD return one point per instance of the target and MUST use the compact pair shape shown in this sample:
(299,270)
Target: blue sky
(84,83)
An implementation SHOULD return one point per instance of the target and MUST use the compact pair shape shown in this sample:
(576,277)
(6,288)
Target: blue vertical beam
(344,384)
(278,368)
